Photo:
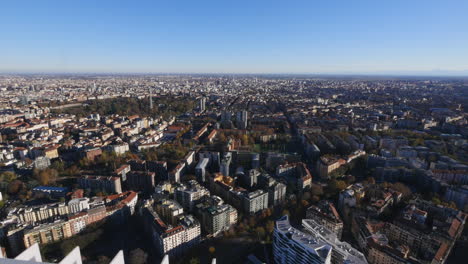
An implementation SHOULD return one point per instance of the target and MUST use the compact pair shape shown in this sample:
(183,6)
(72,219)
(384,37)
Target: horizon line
(434,73)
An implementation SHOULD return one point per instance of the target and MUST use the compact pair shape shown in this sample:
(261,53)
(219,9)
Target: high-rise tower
(202,104)
(151,98)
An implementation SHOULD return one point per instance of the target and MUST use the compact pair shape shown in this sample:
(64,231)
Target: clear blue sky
(255,36)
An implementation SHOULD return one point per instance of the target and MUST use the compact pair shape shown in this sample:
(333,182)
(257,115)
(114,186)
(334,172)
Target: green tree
(137,256)
(245,140)
(370,180)
(7,176)
(194,260)
(316,190)
(270,226)
(15,187)
(260,231)
(103,260)
(401,187)
(46,176)
(59,166)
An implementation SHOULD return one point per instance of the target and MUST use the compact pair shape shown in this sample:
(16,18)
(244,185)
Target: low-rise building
(326,215)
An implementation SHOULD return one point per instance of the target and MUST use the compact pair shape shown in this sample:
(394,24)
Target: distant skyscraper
(225,163)
(24,100)
(242,119)
(202,104)
(151,97)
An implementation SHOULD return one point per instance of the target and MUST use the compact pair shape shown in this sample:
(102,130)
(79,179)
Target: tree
(436,200)
(46,176)
(316,190)
(138,256)
(315,199)
(268,212)
(418,142)
(350,179)
(260,232)
(306,196)
(401,187)
(270,226)
(15,187)
(103,259)
(73,170)
(59,166)
(222,137)
(371,180)
(212,250)
(232,232)
(194,260)
(252,222)
(337,186)
(7,176)
(241,227)
(245,140)
(150,154)
(453,205)
(84,163)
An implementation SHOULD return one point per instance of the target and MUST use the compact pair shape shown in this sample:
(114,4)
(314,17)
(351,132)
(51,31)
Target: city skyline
(398,38)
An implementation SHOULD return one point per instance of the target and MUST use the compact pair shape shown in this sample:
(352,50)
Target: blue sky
(256,36)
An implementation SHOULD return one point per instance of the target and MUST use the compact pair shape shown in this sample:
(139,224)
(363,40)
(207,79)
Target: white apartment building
(293,246)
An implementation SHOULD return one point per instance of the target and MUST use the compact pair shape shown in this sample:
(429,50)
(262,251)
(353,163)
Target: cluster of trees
(259,227)
(45,176)
(436,199)
(11,185)
(64,170)
(172,153)
(251,138)
(246,139)
(107,161)
(137,256)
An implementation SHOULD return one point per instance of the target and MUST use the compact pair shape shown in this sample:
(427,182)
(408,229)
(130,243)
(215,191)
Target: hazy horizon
(435,73)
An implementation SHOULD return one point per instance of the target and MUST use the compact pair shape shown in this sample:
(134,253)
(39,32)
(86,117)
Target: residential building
(296,173)
(215,216)
(291,245)
(200,169)
(78,205)
(326,215)
(171,240)
(189,194)
(104,183)
(140,181)
(276,190)
(342,252)
(47,233)
(255,201)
